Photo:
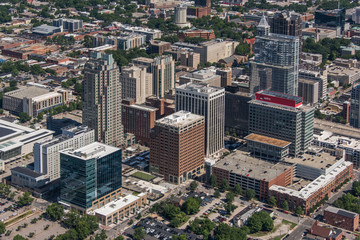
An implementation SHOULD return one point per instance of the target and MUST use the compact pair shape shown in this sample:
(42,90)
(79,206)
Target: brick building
(177,147)
(341,218)
(202,33)
(159,47)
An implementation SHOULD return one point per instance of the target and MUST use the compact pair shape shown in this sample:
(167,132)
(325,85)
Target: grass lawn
(135,193)
(292,225)
(278,237)
(143,176)
(18,217)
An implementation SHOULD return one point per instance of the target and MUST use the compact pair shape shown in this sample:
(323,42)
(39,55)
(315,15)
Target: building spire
(263,28)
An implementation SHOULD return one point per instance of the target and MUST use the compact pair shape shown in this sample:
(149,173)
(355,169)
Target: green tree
(229,207)
(238,190)
(55,211)
(19,237)
(299,210)
(193,185)
(72,218)
(213,180)
(260,221)
(250,193)
(224,185)
(101,236)
(119,237)
(70,234)
(139,233)
(356,188)
(230,197)
(224,231)
(285,205)
(191,205)
(24,117)
(25,199)
(217,193)
(272,201)
(2,228)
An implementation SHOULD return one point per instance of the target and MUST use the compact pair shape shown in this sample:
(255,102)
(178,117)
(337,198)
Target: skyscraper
(177,146)
(287,23)
(209,102)
(282,116)
(276,63)
(102,99)
(162,69)
(355,107)
(90,176)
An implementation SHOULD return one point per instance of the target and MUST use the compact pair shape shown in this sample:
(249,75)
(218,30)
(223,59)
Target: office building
(47,153)
(309,91)
(343,75)
(33,99)
(204,76)
(27,178)
(320,77)
(180,16)
(356,15)
(124,41)
(102,98)
(355,107)
(201,33)
(287,23)
(159,47)
(284,117)
(136,83)
(276,63)
(331,18)
(208,102)
(162,69)
(150,34)
(341,218)
(190,59)
(177,147)
(90,176)
(56,124)
(225,74)
(68,25)
(237,112)
(138,119)
(17,141)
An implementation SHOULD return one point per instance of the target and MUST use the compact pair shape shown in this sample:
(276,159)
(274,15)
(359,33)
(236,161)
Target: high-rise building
(181,16)
(318,76)
(209,102)
(68,25)
(162,69)
(47,153)
(284,117)
(309,91)
(331,18)
(225,74)
(287,23)
(90,176)
(276,63)
(177,146)
(355,107)
(136,83)
(102,99)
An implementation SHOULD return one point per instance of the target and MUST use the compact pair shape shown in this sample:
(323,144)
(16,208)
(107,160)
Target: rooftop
(179,119)
(281,95)
(267,140)
(337,128)
(200,88)
(341,212)
(28,92)
(241,163)
(26,171)
(91,151)
(321,160)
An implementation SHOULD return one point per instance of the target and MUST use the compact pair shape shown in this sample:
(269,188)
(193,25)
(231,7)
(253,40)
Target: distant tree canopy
(4,14)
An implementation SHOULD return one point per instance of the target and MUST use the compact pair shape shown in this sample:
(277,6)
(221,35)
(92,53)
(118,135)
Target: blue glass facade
(84,181)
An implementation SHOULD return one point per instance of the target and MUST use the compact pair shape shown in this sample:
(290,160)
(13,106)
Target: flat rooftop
(321,160)
(179,119)
(241,163)
(143,59)
(341,212)
(28,92)
(267,140)
(337,128)
(143,107)
(200,88)
(118,204)
(93,150)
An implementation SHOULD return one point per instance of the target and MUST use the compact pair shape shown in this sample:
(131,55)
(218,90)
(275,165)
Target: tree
(254,223)
(119,237)
(24,117)
(299,210)
(250,193)
(229,207)
(2,228)
(272,201)
(224,185)
(213,180)
(217,193)
(230,197)
(224,231)
(238,190)
(101,236)
(356,188)
(193,185)
(72,218)
(55,211)
(25,199)
(285,205)
(191,205)
(260,221)
(139,233)
(19,237)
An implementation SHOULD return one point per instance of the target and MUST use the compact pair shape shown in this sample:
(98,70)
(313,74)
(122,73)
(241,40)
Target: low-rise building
(159,47)
(200,33)
(190,59)
(205,76)
(124,41)
(45,30)
(322,232)
(27,178)
(68,25)
(343,75)
(341,218)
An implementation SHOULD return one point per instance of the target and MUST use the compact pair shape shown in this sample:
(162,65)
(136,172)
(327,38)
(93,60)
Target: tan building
(177,147)
(225,74)
(159,47)
(162,69)
(34,99)
(190,59)
(120,209)
(205,76)
(102,99)
(136,83)
(309,91)
(213,51)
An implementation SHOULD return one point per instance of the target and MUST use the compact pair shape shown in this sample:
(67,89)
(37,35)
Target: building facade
(287,23)
(47,153)
(355,107)
(177,147)
(341,218)
(68,25)
(102,99)
(309,91)
(208,102)
(90,176)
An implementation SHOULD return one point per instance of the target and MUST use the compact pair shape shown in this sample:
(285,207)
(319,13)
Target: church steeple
(263,29)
